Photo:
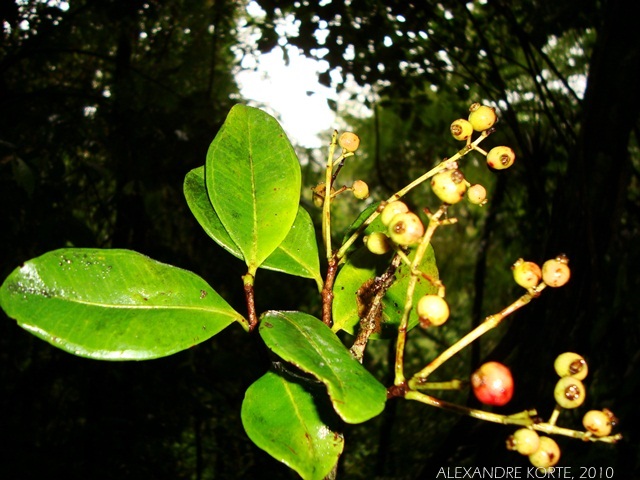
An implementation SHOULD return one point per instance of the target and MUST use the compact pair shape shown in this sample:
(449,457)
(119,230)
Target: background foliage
(106,105)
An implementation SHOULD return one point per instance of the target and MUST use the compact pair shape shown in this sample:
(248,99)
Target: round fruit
(461,129)
(500,158)
(349,141)
(524,441)
(569,392)
(570,364)
(482,117)
(432,310)
(360,189)
(556,272)
(390,210)
(492,384)
(547,455)
(449,186)
(377,243)
(477,194)
(597,422)
(526,274)
(319,193)
(406,229)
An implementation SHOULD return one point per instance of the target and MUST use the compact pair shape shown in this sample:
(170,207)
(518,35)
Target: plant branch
(434,222)
(446,164)
(489,323)
(371,315)
(249,295)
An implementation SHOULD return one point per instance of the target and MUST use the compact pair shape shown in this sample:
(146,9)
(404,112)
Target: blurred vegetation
(106,104)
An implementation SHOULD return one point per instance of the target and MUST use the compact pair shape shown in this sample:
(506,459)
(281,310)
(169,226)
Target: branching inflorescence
(381,281)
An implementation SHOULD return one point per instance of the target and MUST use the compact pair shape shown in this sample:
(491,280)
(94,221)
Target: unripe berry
(432,310)
(449,186)
(360,189)
(500,158)
(349,141)
(524,441)
(319,193)
(569,392)
(570,364)
(492,384)
(377,243)
(406,229)
(556,272)
(390,210)
(526,274)
(477,194)
(482,117)
(461,129)
(547,455)
(598,422)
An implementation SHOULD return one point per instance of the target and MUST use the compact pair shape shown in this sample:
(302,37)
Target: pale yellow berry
(571,364)
(524,441)
(556,272)
(569,392)
(482,117)
(319,194)
(377,243)
(390,210)
(349,141)
(500,158)
(526,274)
(461,129)
(547,455)
(449,186)
(360,189)
(432,310)
(406,229)
(477,194)
(598,422)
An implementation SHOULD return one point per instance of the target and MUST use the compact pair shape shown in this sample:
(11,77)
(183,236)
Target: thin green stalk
(408,306)
(326,207)
(444,165)
(489,323)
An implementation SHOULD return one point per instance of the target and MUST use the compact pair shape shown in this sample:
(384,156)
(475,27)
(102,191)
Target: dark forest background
(105,105)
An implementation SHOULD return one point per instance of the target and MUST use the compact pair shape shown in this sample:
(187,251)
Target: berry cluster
(450,184)
(403,232)
(569,393)
(554,273)
(349,143)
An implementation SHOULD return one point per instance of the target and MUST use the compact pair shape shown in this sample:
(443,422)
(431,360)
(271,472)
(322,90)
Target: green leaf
(113,304)
(282,418)
(310,345)
(363,266)
(296,255)
(253,176)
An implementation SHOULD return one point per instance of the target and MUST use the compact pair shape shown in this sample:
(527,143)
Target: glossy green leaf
(307,343)
(296,255)
(113,304)
(362,266)
(282,418)
(253,176)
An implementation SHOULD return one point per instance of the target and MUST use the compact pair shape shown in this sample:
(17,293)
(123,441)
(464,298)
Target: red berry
(492,384)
